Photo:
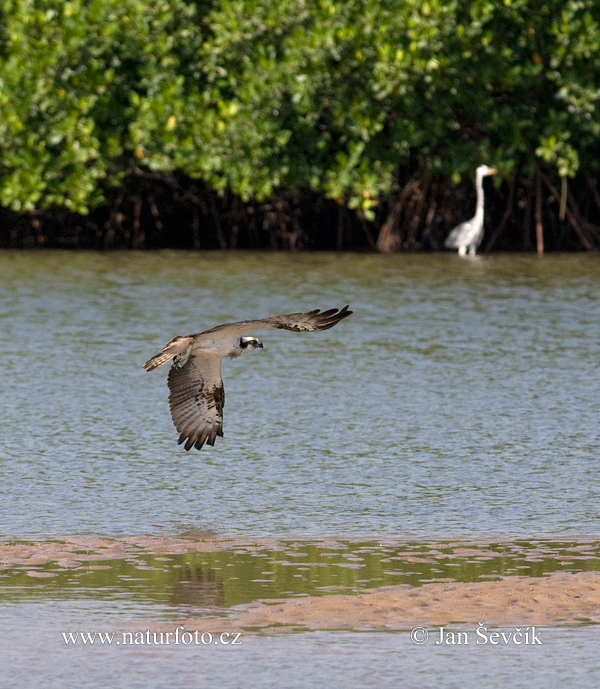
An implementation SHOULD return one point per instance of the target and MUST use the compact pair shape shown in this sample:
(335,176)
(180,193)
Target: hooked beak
(259,345)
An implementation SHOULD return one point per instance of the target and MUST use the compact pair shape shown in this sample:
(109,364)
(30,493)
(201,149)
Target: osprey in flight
(196,389)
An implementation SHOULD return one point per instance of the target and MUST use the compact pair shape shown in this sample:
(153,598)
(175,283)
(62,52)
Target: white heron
(468,235)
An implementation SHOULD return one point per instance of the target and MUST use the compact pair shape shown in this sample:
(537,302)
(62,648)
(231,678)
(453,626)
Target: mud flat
(74,550)
(559,599)
(447,583)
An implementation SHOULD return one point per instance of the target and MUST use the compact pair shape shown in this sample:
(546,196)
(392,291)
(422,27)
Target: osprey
(196,389)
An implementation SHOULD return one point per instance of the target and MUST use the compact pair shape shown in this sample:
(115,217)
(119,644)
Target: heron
(468,235)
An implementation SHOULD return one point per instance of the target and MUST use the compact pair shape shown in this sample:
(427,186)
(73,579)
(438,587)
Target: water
(338,659)
(462,399)
(182,584)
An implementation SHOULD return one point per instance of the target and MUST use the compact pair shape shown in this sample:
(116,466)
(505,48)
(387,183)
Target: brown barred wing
(197,399)
(311,321)
(308,322)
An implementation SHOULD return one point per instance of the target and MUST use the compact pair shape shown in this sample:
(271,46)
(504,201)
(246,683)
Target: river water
(460,400)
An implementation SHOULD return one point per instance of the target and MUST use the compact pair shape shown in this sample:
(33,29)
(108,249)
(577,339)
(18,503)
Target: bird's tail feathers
(176,346)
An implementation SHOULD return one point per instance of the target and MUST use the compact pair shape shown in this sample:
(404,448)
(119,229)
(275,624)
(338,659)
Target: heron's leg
(472,249)
(462,250)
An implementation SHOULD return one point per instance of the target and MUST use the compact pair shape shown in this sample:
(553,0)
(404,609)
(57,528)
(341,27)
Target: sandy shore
(558,599)
(72,551)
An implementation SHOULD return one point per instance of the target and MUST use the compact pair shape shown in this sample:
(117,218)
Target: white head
(484,170)
(249,344)
(246,344)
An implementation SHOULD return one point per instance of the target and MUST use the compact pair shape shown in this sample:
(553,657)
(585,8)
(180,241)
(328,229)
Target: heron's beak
(492,171)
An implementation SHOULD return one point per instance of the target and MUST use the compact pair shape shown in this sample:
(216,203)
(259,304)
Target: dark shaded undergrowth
(154,212)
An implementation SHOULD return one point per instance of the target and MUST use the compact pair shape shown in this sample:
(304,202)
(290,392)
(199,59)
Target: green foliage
(74,79)
(260,95)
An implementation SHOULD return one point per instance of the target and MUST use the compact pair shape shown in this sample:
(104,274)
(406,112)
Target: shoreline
(210,542)
(560,599)
(73,551)
(523,582)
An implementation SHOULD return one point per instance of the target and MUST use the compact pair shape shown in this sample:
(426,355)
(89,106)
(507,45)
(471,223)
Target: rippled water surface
(185,580)
(340,660)
(462,397)
(461,400)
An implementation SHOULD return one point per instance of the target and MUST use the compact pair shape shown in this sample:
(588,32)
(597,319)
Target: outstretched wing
(197,399)
(196,389)
(298,322)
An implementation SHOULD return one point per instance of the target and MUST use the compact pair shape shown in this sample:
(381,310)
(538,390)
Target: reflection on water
(197,588)
(223,575)
(461,398)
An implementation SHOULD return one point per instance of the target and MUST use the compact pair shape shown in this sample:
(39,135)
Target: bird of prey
(468,235)
(196,389)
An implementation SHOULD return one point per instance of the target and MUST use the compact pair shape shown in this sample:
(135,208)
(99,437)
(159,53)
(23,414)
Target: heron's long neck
(479,186)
